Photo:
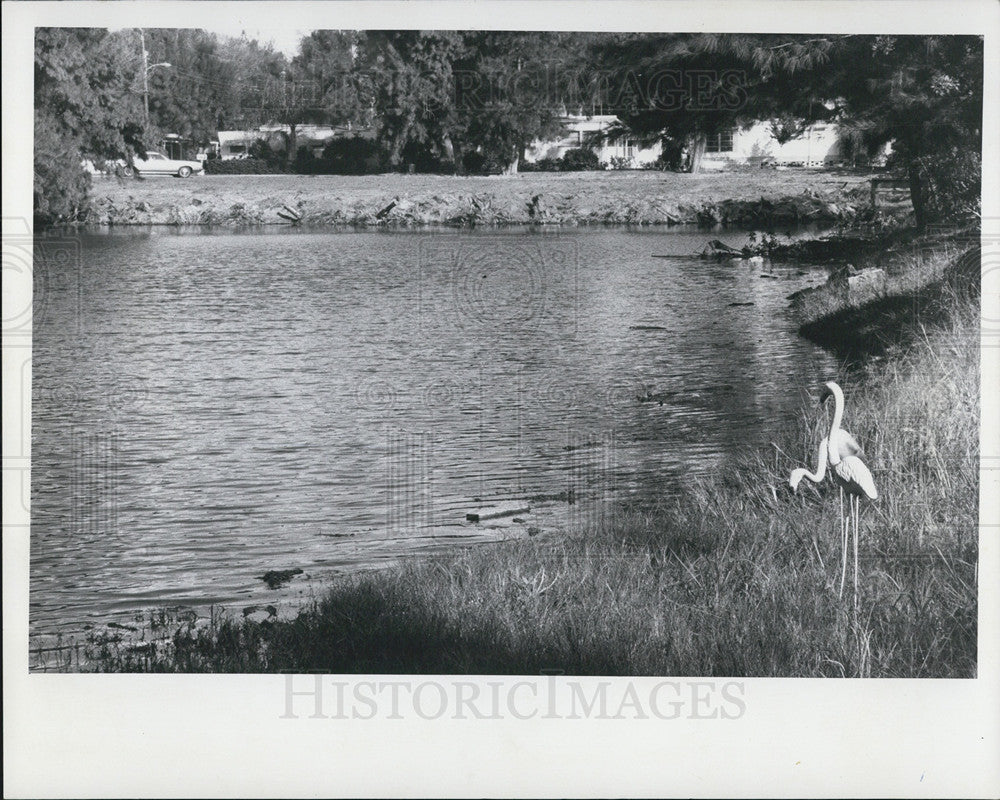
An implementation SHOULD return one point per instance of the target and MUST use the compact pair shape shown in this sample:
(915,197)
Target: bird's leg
(843,545)
(855,512)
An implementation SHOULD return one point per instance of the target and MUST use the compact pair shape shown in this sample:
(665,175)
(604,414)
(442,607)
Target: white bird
(842,452)
(845,444)
(852,476)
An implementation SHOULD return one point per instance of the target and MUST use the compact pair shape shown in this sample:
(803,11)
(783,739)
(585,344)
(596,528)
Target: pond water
(208,406)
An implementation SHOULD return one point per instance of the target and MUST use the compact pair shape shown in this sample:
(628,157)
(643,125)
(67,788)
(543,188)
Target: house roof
(319,133)
(225,137)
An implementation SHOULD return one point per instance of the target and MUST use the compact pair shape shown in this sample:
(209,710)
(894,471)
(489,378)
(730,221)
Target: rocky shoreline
(468,210)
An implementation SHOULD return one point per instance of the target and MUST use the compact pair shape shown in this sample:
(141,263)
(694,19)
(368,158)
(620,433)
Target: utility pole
(145,75)
(146,69)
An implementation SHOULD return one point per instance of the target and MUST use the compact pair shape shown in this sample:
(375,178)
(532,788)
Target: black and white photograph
(443,369)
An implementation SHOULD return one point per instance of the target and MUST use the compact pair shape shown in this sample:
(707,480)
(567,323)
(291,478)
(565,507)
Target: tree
(407,79)
(922,93)
(85,108)
(317,86)
(326,64)
(688,87)
(510,90)
(199,92)
(257,69)
(449,93)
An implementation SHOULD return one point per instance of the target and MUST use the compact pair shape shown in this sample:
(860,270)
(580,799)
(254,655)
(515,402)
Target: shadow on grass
(364,630)
(524,609)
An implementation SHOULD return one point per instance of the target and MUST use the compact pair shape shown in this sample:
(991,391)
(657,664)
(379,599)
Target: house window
(721,142)
(623,147)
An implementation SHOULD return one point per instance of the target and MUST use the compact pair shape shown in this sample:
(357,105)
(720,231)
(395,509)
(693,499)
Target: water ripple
(206,408)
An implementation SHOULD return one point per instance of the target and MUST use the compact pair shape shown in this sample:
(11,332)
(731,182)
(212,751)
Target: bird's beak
(825,394)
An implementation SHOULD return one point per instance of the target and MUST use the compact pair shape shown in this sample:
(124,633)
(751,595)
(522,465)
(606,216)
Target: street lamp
(146,69)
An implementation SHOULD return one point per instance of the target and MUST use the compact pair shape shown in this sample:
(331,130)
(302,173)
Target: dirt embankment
(404,201)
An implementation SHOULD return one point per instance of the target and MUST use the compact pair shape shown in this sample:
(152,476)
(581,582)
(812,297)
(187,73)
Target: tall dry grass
(738,577)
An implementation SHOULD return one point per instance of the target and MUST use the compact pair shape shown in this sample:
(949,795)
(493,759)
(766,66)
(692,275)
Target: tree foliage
(511,89)
(923,94)
(407,77)
(195,95)
(451,94)
(317,87)
(86,107)
(687,87)
(435,97)
(257,76)
(325,68)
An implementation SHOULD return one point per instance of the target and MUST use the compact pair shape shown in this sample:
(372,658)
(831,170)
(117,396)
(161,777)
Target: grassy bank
(736,578)
(759,197)
(921,274)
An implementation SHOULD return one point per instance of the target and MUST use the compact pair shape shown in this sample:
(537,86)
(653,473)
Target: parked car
(158,164)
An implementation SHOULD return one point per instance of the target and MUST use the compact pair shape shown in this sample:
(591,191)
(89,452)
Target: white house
(818,146)
(579,132)
(234,144)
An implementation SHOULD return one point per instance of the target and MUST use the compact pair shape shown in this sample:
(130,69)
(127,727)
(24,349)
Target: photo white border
(181,736)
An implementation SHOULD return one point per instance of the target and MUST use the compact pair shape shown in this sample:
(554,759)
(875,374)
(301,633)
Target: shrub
(481,164)
(305,162)
(671,157)
(579,159)
(353,155)
(474,163)
(576,160)
(261,150)
(542,165)
(424,159)
(953,184)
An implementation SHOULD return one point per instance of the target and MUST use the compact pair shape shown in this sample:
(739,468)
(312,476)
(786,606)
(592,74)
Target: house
(581,131)
(236,144)
(819,145)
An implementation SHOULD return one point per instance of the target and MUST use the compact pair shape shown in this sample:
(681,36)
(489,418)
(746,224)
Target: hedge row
(243,166)
(346,157)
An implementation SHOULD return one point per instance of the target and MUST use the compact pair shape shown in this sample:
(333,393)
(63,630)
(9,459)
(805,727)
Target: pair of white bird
(842,452)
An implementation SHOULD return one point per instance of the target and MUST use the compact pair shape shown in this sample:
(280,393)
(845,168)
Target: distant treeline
(474,100)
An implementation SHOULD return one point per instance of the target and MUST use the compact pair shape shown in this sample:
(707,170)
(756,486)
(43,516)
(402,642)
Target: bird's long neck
(838,413)
(816,477)
(821,461)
